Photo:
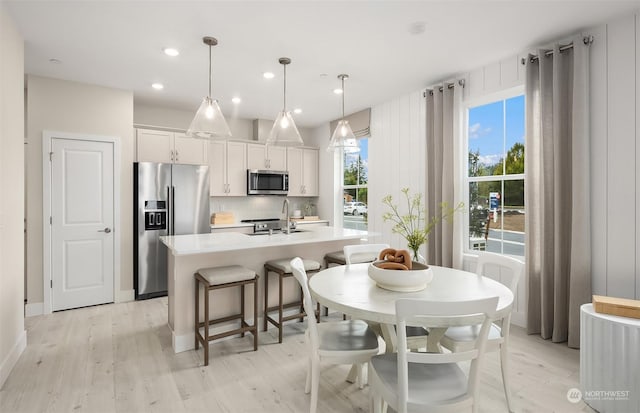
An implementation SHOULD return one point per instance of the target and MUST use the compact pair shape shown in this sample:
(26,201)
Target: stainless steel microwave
(266,182)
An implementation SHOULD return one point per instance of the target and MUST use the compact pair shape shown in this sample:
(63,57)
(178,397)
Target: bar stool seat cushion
(284,265)
(225,275)
(335,255)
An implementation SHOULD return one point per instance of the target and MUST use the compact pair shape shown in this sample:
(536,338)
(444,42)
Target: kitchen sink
(293,231)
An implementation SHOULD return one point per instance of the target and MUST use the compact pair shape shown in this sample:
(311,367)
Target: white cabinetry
(266,157)
(169,147)
(227,168)
(302,164)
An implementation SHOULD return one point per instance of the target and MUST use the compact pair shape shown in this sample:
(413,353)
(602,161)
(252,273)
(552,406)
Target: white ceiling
(119,44)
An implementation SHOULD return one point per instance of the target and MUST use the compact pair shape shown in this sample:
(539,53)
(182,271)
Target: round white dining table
(348,289)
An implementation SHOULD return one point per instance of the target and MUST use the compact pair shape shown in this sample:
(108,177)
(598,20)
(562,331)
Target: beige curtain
(558,235)
(442,128)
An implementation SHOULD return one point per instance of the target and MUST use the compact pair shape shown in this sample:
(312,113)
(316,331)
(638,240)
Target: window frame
(466,106)
(344,187)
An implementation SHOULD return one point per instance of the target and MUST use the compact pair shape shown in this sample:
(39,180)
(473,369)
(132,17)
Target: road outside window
(355,177)
(496,142)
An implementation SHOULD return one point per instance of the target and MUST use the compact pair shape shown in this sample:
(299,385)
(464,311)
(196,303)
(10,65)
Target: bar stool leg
(242,308)
(266,298)
(255,314)
(197,315)
(280,308)
(206,327)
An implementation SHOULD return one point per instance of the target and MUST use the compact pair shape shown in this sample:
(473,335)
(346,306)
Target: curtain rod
(441,88)
(587,40)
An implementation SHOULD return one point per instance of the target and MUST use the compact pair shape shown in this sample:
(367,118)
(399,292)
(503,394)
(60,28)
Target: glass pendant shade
(209,123)
(343,138)
(284,131)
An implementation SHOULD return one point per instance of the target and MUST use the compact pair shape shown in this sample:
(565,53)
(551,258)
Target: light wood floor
(118,358)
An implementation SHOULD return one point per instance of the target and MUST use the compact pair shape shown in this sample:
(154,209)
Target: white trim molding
(33,309)
(12,358)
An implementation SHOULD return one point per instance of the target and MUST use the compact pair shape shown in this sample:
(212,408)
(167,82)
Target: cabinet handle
(177,156)
(172,155)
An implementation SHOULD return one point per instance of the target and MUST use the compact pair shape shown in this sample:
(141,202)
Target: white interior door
(82,218)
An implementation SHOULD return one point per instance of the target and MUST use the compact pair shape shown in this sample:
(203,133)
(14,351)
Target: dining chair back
(410,381)
(337,342)
(457,339)
(359,253)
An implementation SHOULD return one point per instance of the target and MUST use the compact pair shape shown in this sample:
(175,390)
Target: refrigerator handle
(173,209)
(169,223)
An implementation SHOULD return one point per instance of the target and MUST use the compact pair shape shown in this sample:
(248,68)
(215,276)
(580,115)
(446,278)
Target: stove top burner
(251,221)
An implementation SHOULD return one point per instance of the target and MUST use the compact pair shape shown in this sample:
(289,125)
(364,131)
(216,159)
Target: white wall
(615,157)
(13,338)
(64,106)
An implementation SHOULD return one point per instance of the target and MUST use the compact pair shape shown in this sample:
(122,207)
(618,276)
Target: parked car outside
(355,208)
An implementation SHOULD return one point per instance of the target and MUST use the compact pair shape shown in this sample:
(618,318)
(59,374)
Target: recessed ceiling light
(297,111)
(337,91)
(157,86)
(170,51)
(268,75)
(236,99)
(55,61)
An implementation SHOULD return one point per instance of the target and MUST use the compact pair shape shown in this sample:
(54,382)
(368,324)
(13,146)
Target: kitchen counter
(250,225)
(188,253)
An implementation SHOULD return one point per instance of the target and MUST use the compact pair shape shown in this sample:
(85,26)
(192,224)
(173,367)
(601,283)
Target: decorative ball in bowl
(393,273)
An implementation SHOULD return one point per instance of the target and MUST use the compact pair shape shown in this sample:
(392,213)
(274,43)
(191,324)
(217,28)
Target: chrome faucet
(285,207)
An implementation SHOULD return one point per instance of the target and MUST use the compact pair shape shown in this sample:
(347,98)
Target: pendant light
(343,137)
(284,131)
(209,123)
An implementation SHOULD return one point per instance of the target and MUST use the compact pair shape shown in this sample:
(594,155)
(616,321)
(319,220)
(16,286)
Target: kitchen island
(188,253)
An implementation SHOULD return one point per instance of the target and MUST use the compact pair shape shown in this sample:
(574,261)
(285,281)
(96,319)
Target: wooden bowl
(415,279)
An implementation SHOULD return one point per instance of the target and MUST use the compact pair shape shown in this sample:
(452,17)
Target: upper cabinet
(227,168)
(169,147)
(261,156)
(302,164)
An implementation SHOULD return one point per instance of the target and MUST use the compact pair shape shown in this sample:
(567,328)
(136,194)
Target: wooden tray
(622,307)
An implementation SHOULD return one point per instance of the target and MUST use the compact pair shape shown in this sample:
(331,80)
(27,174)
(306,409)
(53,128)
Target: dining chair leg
(307,385)
(360,376)
(376,400)
(504,366)
(315,384)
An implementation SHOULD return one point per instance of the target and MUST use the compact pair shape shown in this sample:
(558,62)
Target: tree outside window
(355,178)
(495,176)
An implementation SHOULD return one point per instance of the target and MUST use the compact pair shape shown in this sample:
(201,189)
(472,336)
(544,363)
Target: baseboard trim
(12,358)
(33,309)
(125,296)
(519,319)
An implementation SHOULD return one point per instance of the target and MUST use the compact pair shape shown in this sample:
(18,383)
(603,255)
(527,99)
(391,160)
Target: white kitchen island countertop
(234,241)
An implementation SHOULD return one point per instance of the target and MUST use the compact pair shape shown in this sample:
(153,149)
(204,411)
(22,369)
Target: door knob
(107,230)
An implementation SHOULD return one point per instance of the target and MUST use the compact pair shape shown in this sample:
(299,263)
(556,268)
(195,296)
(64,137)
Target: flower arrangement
(414,226)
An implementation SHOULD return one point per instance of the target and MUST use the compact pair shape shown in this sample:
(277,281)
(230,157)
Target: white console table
(609,361)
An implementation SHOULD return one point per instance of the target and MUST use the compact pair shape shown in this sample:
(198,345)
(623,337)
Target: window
(495,176)
(355,172)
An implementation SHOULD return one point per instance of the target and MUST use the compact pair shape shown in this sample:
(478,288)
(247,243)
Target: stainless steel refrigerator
(168,199)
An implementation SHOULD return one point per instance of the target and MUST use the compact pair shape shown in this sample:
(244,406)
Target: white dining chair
(434,382)
(462,338)
(360,253)
(336,342)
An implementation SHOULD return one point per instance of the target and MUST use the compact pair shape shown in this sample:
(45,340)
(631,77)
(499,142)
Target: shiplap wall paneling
(637,208)
(396,157)
(505,74)
(599,139)
(621,208)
